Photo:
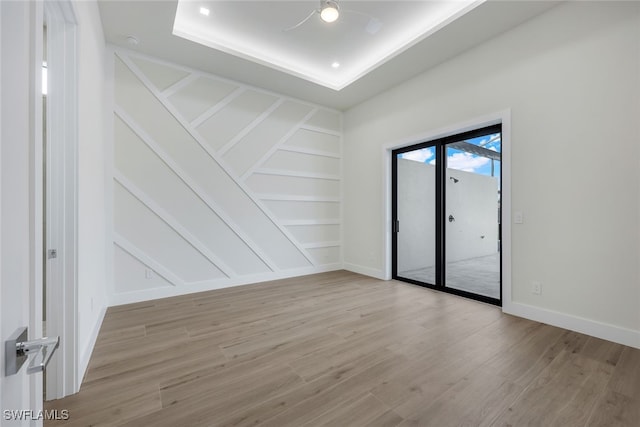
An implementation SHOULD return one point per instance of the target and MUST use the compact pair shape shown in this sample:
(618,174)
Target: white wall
(92,195)
(216,183)
(571,78)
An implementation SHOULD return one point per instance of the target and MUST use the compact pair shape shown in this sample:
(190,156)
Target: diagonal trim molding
(136,192)
(141,256)
(242,235)
(261,118)
(179,85)
(295,174)
(277,145)
(211,111)
(198,138)
(310,151)
(193,186)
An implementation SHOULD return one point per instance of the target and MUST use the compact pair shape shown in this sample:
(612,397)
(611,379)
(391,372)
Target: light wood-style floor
(344,350)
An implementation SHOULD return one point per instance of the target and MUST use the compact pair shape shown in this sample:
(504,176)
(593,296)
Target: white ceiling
(378,44)
(297,41)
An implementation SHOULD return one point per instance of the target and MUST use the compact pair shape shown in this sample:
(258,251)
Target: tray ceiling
(290,36)
(257,51)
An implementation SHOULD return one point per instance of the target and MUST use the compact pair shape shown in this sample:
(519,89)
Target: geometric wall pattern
(217,183)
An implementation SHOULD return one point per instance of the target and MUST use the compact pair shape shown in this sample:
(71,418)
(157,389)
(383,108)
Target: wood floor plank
(140,361)
(476,399)
(366,411)
(552,397)
(626,377)
(268,409)
(603,351)
(523,362)
(577,409)
(342,393)
(615,410)
(341,349)
(115,408)
(436,368)
(205,407)
(343,357)
(118,335)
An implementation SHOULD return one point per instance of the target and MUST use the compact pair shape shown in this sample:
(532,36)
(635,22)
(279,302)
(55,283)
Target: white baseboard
(85,354)
(210,285)
(617,334)
(367,271)
(593,328)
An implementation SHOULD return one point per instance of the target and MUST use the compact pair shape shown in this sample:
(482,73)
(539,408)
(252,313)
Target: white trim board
(211,111)
(147,261)
(590,327)
(210,285)
(367,271)
(133,54)
(238,137)
(85,354)
(310,151)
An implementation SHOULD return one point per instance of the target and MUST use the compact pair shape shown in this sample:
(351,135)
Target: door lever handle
(18,349)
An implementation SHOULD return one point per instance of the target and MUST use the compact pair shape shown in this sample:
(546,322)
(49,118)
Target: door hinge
(396,226)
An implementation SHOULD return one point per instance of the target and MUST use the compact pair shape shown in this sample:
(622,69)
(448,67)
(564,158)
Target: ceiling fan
(329,11)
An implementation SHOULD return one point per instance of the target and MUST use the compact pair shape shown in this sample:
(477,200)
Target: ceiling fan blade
(313,12)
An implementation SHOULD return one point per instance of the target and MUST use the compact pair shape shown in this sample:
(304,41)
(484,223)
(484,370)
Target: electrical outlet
(536,288)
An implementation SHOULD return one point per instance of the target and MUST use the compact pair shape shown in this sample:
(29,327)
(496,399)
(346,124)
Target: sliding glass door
(446,214)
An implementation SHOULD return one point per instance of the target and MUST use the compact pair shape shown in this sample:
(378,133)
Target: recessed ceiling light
(330,11)
(335,64)
(204,11)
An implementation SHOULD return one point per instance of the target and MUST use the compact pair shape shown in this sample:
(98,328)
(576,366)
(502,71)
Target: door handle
(18,349)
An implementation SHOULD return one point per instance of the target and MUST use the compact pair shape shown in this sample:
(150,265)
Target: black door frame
(440,145)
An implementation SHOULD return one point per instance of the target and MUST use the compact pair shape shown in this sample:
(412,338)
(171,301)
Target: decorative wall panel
(218,184)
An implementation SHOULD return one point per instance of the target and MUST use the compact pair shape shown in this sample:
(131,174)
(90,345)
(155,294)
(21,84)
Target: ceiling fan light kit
(329,11)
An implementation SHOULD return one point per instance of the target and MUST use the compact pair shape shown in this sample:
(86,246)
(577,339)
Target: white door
(20,205)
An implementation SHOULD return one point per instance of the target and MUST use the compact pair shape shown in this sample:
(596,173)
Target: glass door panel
(416,215)
(472,215)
